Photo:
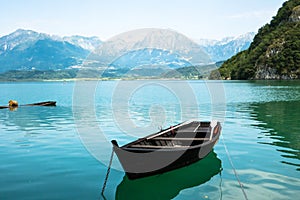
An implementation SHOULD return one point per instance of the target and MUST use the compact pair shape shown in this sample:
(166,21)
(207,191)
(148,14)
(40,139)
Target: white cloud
(253,14)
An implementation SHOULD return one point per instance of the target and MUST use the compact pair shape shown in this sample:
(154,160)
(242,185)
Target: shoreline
(138,79)
(94,79)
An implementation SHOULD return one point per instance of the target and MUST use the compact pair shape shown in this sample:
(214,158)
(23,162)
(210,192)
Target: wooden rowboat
(168,149)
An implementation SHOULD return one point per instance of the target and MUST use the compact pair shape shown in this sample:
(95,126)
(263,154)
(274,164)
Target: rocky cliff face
(295,16)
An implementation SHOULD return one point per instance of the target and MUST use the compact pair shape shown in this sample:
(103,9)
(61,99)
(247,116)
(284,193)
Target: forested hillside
(274,52)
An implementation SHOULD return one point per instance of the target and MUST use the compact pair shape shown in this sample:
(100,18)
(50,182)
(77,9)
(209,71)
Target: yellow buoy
(13,103)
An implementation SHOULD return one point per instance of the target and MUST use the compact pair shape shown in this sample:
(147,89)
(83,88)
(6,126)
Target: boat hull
(139,163)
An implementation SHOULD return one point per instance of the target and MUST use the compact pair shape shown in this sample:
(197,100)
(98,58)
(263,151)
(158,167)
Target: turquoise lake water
(62,152)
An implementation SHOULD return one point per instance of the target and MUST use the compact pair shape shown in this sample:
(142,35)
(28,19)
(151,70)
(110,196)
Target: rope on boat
(108,171)
(171,128)
(234,170)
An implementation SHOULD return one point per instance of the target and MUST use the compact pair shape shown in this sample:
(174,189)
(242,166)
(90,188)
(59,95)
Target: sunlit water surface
(62,152)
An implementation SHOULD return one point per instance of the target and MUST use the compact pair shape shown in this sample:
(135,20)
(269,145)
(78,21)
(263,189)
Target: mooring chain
(108,171)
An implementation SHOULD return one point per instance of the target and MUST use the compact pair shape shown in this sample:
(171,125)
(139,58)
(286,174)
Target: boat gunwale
(163,130)
(172,148)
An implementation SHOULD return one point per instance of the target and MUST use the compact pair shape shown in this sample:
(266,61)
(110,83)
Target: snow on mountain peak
(221,50)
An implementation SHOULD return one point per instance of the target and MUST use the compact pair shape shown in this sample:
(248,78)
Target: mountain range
(29,50)
(151,48)
(144,48)
(221,50)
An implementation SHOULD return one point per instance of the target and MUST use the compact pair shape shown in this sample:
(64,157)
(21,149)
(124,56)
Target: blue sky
(213,19)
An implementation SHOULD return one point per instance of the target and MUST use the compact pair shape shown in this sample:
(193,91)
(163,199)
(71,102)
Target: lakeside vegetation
(192,72)
(35,75)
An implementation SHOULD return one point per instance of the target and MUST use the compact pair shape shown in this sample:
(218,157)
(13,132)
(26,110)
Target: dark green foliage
(276,46)
(16,75)
(192,72)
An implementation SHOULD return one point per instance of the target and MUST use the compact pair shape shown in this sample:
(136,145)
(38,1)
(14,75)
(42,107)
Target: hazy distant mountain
(151,46)
(150,57)
(27,50)
(220,50)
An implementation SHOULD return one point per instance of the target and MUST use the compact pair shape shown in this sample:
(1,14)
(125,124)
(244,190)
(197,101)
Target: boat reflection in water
(168,185)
